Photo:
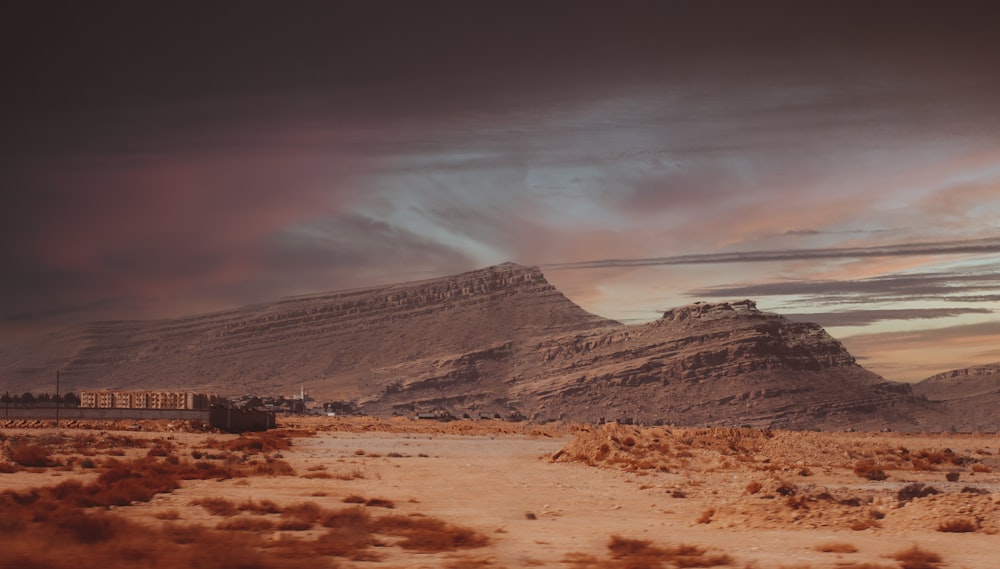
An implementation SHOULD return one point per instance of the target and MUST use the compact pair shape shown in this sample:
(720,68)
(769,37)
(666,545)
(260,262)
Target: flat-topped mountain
(497,340)
(333,343)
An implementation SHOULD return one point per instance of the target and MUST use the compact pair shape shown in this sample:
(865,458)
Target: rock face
(336,344)
(497,340)
(704,364)
(971,396)
(728,363)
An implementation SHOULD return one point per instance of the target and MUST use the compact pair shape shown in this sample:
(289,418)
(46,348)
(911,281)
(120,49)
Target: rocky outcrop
(712,364)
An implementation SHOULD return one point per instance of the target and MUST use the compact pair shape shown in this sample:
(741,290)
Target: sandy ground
(536,510)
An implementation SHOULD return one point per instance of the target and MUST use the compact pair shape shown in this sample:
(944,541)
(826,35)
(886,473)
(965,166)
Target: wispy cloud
(978,286)
(962,247)
(865,317)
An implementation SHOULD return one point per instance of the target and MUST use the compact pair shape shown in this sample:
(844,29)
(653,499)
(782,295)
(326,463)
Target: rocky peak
(711,310)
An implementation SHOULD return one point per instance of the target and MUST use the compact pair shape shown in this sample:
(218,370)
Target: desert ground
(365,492)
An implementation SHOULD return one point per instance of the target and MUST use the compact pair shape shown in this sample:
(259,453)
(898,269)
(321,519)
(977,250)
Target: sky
(838,162)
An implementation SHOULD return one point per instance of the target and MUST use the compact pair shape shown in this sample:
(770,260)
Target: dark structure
(238,420)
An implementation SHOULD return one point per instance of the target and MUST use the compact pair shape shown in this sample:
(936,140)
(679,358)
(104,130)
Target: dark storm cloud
(164,149)
(971,246)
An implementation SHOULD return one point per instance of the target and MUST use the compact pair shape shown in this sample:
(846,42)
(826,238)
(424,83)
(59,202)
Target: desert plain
(387,493)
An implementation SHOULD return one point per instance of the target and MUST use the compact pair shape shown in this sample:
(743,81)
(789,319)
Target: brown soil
(400,493)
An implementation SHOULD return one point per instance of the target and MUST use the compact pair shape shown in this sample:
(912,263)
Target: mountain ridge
(500,339)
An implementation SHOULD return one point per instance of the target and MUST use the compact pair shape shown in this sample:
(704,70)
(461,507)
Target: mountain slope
(971,396)
(714,364)
(497,340)
(332,343)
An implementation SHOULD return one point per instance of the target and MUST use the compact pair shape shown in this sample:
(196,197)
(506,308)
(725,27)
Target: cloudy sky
(836,161)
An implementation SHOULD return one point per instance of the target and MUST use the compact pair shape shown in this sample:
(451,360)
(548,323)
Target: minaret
(302,394)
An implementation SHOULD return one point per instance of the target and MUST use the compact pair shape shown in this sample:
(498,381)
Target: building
(107,399)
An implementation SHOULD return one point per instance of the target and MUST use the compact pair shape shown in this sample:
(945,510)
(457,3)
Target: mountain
(703,364)
(496,340)
(971,396)
(334,344)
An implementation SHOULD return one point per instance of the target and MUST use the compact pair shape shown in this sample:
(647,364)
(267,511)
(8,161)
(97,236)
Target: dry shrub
(354,499)
(168,515)
(260,508)
(31,455)
(863,524)
(628,553)
(308,512)
(981,468)
(952,476)
(706,516)
(753,487)
(836,547)
(915,490)
(295,525)
(958,525)
(32,520)
(9,468)
(110,541)
(217,506)
(256,443)
(121,483)
(869,470)
(354,474)
(916,558)
(425,534)
(380,503)
(161,448)
(797,502)
(319,475)
(246,523)
(273,467)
